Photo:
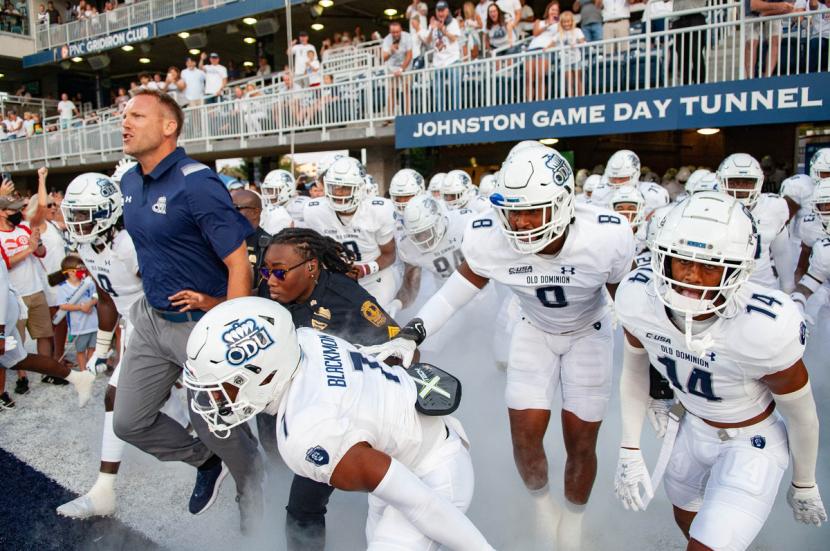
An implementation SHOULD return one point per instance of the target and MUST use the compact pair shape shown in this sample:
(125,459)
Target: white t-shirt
(55,252)
(613,10)
(397,58)
(300,53)
(447,52)
(214,75)
(26,277)
(315,77)
(194,80)
(66,109)
(80,323)
(509,7)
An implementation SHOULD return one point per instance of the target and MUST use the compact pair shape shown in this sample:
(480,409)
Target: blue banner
(775,100)
(103,43)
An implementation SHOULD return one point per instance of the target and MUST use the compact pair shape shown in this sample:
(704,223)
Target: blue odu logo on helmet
(559,168)
(245,339)
(108,189)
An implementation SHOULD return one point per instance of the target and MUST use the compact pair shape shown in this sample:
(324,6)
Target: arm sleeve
(455,293)
(221,224)
(432,514)
(799,409)
(634,394)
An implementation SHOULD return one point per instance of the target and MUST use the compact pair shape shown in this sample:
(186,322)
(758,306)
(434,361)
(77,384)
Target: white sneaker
(83,385)
(97,504)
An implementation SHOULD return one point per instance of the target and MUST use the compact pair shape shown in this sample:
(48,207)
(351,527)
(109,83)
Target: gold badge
(373,313)
(318,325)
(393,331)
(324,312)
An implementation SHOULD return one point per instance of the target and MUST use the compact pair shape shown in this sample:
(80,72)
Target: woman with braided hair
(312,276)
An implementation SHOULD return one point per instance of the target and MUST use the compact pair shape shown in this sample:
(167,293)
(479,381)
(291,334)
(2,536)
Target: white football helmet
(522,146)
(799,188)
(343,182)
(278,187)
(707,181)
(534,179)
(741,176)
(241,357)
(121,168)
(654,223)
(91,206)
(425,222)
(457,189)
(821,202)
(405,184)
(435,182)
(709,228)
(820,165)
(693,178)
(487,185)
(628,201)
(590,184)
(623,168)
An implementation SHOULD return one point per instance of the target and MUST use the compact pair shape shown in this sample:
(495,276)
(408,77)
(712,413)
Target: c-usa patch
(317,455)
(758,441)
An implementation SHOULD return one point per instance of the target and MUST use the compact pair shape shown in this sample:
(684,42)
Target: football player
(487,185)
(629,202)
(732,350)
(623,168)
(557,259)
(277,190)
(458,192)
(343,419)
(434,186)
(700,180)
(740,176)
(405,185)
(588,187)
(92,211)
(818,271)
(365,227)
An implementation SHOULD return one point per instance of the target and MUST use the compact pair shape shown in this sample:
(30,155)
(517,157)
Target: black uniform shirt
(341,307)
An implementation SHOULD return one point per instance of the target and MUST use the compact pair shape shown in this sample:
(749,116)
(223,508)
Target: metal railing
(706,54)
(123,17)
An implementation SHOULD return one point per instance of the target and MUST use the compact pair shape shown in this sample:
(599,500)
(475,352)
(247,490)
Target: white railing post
(648,53)
(741,44)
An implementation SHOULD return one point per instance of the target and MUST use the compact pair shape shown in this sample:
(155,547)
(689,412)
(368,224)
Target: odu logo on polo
(245,340)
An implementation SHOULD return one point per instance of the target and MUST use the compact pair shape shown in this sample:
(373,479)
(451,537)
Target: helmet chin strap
(688,308)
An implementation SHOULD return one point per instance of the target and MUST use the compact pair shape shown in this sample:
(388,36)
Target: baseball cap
(442,6)
(303,33)
(214,54)
(10,203)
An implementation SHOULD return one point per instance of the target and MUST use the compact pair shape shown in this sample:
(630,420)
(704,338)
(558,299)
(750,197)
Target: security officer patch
(373,313)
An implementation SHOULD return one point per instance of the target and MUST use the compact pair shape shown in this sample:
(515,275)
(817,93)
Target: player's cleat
(92,504)
(82,381)
(208,482)
(51,380)
(22,386)
(6,401)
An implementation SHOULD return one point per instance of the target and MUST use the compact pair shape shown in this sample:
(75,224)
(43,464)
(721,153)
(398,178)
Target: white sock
(105,483)
(112,447)
(548,515)
(73,376)
(570,527)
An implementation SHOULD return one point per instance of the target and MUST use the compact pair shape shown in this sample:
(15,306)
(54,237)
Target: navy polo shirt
(183,223)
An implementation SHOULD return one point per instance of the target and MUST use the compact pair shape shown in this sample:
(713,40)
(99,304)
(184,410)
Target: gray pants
(153,362)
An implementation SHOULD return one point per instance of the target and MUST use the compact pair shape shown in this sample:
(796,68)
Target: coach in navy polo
(190,241)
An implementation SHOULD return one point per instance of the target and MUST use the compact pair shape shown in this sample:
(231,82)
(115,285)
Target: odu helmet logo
(107,188)
(559,168)
(245,339)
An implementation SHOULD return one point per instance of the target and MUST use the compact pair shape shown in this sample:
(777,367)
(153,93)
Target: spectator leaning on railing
(397,56)
(616,18)
(472,26)
(689,48)
(216,77)
(764,31)
(299,51)
(500,33)
(444,34)
(194,80)
(67,111)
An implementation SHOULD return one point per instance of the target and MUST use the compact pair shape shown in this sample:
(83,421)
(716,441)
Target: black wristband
(414,331)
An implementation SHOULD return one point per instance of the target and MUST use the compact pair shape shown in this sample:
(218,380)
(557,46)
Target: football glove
(658,415)
(96,364)
(631,473)
(806,505)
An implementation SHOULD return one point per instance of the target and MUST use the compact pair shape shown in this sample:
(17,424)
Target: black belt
(180,317)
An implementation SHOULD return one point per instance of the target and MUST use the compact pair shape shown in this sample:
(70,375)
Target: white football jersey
(115,269)
(479,205)
(372,225)
(563,293)
(582,198)
(601,196)
(810,230)
(820,262)
(771,215)
(445,258)
(339,398)
(295,207)
(274,219)
(766,336)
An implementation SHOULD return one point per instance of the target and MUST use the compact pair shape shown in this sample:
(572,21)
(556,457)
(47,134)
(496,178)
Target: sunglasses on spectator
(279,273)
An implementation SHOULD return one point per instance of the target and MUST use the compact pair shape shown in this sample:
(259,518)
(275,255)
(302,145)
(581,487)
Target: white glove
(631,472)
(658,415)
(394,307)
(801,301)
(96,364)
(11,343)
(806,505)
(397,348)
